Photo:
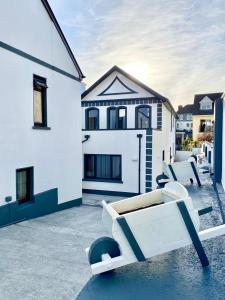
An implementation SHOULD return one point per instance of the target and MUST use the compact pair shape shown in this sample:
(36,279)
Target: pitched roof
(58,28)
(139,83)
(199,97)
(187,109)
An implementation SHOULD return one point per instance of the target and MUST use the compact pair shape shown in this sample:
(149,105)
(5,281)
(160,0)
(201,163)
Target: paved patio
(44,258)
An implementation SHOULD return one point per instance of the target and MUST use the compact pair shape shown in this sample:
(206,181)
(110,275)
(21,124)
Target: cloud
(182,42)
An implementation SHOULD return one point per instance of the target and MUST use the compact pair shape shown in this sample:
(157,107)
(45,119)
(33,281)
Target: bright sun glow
(138,70)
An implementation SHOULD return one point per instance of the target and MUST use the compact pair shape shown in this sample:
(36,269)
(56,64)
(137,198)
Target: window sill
(103,180)
(41,127)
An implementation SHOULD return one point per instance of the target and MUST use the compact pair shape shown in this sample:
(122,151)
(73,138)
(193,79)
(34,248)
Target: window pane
(122,118)
(89,166)
(112,119)
(38,116)
(103,168)
(144,117)
(23,185)
(116,167)
(93,119)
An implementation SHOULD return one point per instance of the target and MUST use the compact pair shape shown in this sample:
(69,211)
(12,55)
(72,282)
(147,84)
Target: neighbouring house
(184,121)
(203,114)
(128,131)
(184,124)
(40,153)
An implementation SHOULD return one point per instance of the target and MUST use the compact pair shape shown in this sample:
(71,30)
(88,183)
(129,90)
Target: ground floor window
(24,185)
(102,167)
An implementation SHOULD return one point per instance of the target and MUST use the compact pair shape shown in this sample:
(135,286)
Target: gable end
(127,89)
(58,28)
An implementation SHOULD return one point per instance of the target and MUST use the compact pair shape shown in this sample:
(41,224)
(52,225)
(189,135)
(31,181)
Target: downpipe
(139,136)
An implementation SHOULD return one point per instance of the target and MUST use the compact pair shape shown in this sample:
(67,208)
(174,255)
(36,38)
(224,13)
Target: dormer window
(206,104)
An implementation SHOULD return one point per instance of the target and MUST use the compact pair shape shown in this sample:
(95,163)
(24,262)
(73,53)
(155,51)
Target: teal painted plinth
(42,204)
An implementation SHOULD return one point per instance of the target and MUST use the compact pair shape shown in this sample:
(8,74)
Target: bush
(187,144)
(206,137)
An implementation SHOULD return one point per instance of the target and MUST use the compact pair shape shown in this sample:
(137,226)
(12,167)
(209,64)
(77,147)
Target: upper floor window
(112,117)
(181,117)
(143,116)
(40,101)
(92,118)
(189,117)
(121,118)
(117,117)
(206,104)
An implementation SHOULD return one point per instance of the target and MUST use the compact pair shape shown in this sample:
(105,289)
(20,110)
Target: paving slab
(177,275)
(44,258)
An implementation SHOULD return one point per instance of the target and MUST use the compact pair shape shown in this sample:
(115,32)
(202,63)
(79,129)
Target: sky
(176,47)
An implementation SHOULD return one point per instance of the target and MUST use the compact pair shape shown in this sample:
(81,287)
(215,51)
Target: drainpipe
(86,138)
(139,136)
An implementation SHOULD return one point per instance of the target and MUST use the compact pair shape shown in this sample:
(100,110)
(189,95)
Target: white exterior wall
(162,140)
(55,154)
(27,26)
(123,143)
(94,94)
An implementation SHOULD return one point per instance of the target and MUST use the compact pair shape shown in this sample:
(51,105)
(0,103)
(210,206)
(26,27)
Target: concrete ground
(44,258)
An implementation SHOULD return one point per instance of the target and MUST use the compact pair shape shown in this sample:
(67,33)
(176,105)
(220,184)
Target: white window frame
(206,104)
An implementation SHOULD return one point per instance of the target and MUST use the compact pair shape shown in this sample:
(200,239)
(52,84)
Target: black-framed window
(112,118)
(117,117)
(122,118)
(92,118)
(24,185)
(40,101)
(143,116)
(102,167)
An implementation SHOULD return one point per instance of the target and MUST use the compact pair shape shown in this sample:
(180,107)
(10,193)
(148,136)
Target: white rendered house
(40,153)
(128,131)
